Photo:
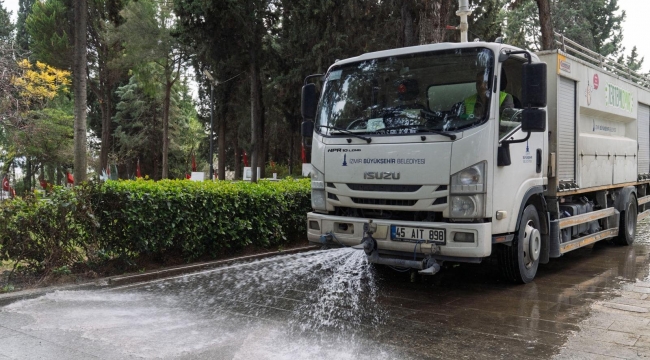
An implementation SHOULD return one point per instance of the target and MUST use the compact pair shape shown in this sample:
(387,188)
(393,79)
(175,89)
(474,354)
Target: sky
(634,28)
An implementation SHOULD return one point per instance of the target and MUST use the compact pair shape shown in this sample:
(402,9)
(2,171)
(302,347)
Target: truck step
(588,239)
(643,200)
(643,215)
(584,218)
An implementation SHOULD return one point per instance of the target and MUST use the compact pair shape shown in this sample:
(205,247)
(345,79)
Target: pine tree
(22,36)
(153,23)
(6,27)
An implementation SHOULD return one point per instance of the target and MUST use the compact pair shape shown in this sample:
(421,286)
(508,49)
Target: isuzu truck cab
(461,151)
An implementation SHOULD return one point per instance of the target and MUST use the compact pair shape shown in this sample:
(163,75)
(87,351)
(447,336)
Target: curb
(185,269)
(6,299)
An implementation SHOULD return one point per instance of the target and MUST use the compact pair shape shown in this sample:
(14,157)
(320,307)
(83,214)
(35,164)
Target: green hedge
(133,218)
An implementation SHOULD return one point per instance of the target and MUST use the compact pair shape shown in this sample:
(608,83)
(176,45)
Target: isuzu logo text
(381,175)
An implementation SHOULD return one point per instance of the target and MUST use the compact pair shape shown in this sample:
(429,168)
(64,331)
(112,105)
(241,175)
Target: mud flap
(554,239)
(546,243)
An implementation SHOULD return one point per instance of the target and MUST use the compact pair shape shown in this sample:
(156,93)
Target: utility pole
(212,84)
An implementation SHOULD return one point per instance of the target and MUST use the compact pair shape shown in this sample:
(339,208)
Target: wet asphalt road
(591,303)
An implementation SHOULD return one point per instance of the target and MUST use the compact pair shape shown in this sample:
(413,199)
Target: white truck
(410,164)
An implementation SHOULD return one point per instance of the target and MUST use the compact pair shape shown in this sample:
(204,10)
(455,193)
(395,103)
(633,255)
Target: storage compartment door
(566,125)
(643,121)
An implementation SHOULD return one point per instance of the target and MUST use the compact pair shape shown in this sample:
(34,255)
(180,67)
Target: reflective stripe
(470,102)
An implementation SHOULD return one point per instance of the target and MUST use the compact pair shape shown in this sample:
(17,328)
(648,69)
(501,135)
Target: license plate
(412,234)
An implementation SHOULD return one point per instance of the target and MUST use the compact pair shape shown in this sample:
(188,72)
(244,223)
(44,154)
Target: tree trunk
(27,180)
(291,146)
(106,133)
(237,158)
(221,130)
(545,23)
(35,167)
(156,145)
(409,23)
(255,112)
(264,146)
(165,137)
(59,175)
(80,102)
(103,91)
(221,143)
(50,174)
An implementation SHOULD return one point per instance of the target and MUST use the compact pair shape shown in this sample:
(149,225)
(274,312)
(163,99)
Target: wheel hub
(532,244)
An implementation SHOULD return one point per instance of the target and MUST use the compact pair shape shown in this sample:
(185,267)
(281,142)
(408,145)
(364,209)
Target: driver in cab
(477,104)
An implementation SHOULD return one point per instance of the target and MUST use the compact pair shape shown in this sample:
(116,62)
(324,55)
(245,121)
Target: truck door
(526,171)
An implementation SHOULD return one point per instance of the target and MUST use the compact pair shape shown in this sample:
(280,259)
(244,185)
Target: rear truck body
(406,166)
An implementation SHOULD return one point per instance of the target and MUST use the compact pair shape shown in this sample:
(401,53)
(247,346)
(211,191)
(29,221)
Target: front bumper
(351,234)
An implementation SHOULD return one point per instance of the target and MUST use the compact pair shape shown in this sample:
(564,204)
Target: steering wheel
(355,125)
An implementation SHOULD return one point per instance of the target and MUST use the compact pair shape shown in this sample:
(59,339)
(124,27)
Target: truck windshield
(435,91)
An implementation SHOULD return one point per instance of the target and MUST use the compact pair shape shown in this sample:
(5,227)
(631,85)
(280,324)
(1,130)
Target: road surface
(591,303)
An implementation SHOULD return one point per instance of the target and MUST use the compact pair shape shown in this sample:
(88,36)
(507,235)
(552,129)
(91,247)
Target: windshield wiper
(345,131)
(421,128)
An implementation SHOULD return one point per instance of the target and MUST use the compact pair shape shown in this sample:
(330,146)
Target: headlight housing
(467,192)
(470,180)
(317,179)
(318,196)
(466,207)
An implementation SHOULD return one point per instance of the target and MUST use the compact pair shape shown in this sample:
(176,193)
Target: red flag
(245,159)
(137,170)
(70,178)
(108,170)
(188,176)
(43,184)
(12,191)
(303,156)
(193,163)
(5,184)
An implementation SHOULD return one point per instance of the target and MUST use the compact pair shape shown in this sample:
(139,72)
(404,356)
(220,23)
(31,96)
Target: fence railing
(573,48)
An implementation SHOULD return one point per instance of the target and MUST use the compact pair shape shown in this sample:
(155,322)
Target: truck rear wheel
(519,262)
(627,225)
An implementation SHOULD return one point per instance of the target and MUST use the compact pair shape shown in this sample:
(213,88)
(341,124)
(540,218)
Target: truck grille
(384,187)
(389,202)
(440,201)
(430,216)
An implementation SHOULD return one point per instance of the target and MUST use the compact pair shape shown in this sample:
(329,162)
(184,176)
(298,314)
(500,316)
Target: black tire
(517,262)
(627,225)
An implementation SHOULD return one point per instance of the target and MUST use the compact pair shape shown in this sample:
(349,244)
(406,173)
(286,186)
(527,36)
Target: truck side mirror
(307,129)
(533,120)
(309,100)
(503,155)
(533,93)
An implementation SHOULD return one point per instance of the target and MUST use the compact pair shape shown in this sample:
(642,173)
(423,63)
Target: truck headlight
(466,206)
(318,200)
(470,180)
(318,197)
(467,192)
(317,179)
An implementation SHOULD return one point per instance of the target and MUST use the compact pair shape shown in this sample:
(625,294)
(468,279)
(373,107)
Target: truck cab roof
(496,47)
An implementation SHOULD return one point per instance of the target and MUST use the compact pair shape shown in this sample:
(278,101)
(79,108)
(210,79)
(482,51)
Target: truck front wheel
(519,261)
